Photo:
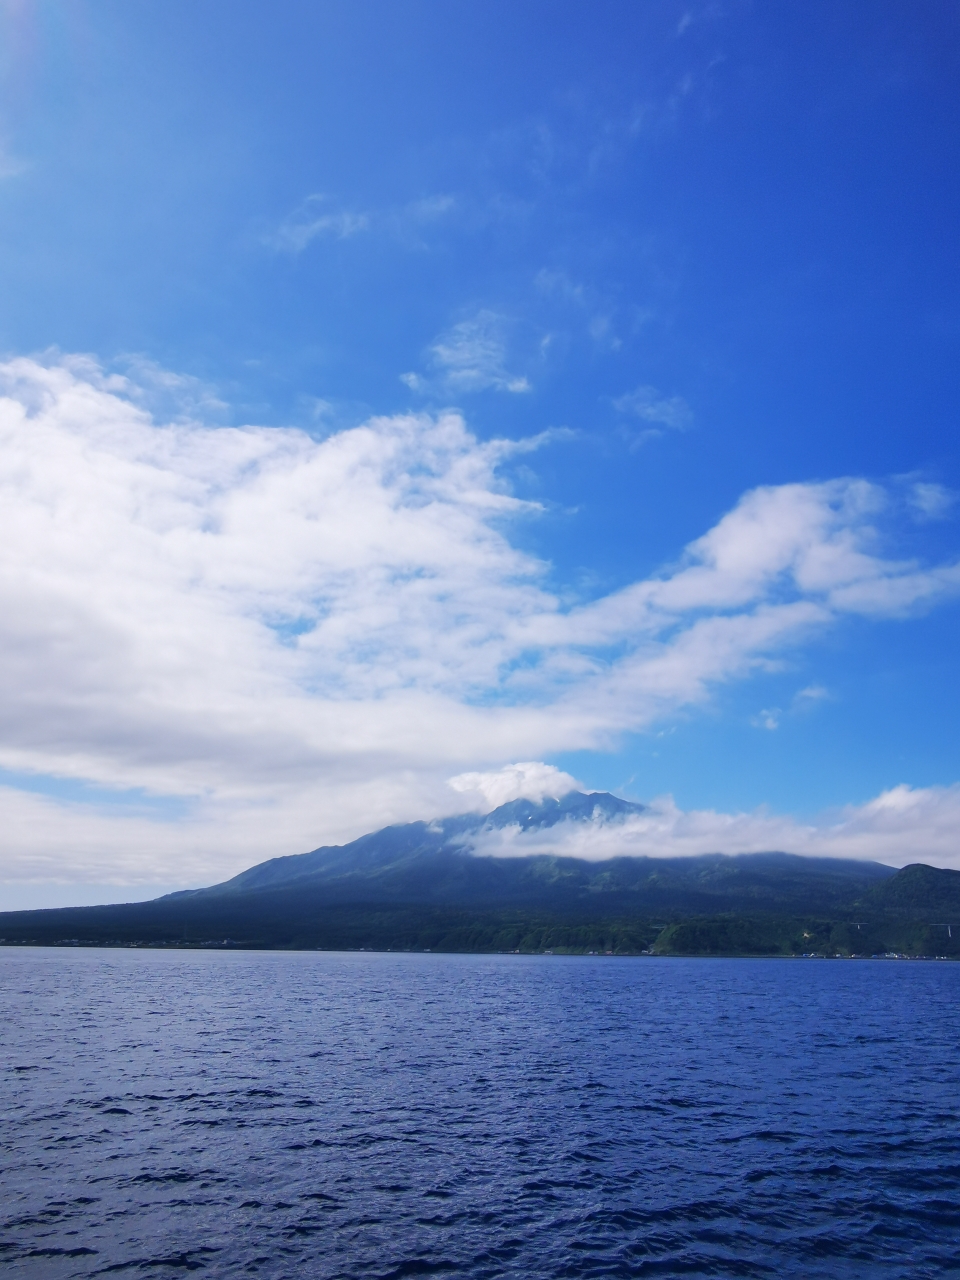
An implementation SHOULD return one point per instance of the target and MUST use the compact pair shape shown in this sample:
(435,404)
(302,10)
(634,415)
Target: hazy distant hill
(422,885)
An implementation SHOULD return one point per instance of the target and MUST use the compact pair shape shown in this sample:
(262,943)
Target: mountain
(438,885)
(443,862)
(445,843)
(918,888)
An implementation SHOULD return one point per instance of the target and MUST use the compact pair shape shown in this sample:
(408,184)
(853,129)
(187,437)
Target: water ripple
(340,1116)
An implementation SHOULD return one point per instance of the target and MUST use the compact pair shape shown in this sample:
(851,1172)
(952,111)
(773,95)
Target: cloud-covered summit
(528,780)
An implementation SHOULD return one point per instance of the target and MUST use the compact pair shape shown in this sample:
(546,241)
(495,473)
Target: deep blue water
(340,1115)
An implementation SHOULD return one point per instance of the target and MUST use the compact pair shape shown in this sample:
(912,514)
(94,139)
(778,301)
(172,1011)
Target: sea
(323,1114)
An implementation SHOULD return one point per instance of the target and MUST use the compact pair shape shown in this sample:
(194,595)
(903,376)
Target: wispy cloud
(597,309)
(430,208)
(768,718)
(808,697)
(802,701)
(318,217)
(312,219)
(175,397)
(470,356)
(931,501)
(662,413)
(305,638)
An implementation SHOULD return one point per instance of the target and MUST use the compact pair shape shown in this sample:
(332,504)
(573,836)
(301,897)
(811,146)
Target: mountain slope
(430,885)
(918,888)
(394,845)
(434,863)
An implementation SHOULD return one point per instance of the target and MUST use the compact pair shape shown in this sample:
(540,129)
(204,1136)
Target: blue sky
(691,251)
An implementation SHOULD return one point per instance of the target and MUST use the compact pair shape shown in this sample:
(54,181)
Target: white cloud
(649,405)
(303,639)
(176,397)
(530,779)
(802,701)
(314,218)
(808,697)
(768,718)
(900,826)
(560,288)
(558,284)
(472,355)
(430,208)
(931,501)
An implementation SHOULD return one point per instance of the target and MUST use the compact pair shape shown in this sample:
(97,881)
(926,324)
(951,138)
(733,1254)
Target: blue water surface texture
(356,1115)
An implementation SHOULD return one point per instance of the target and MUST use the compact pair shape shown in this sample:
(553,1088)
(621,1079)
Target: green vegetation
(783,936)
(459,929)
(348,927)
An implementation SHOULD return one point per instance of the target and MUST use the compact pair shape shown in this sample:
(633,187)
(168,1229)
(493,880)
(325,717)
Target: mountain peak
(412,839)
(578,806)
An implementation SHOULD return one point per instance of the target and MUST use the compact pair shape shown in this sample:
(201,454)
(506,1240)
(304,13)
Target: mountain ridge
(441,885)
(439,834)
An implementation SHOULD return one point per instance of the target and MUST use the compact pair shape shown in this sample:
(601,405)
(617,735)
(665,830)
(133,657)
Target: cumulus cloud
(530,780)
(303,639)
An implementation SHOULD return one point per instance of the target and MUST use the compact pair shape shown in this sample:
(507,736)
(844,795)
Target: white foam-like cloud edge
(301,640)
